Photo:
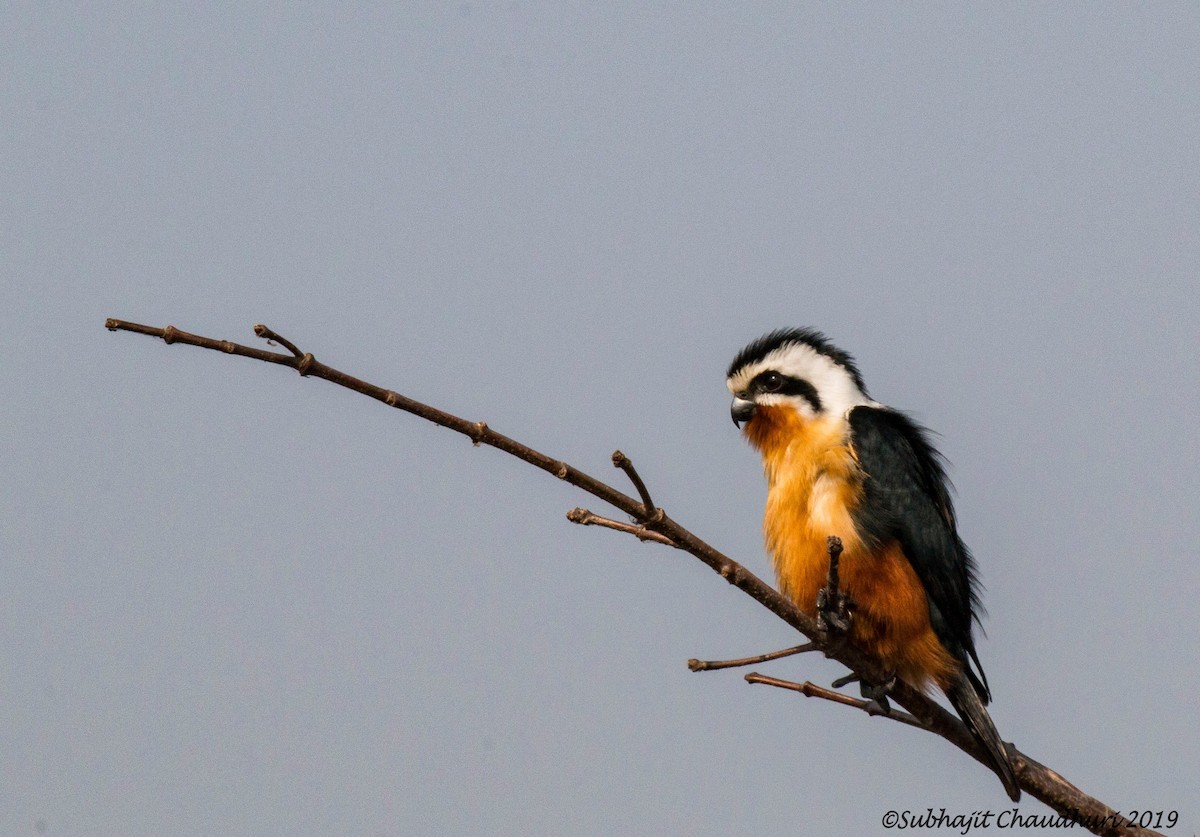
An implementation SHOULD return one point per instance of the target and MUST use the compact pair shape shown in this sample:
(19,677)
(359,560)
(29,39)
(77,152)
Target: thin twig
(810,689)
(833,606)
(1037,779)
(714,665)
(651,514)
(268,335)
(834,544)
(585,518)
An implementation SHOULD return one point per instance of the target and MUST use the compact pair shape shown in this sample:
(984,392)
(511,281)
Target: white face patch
(834,385)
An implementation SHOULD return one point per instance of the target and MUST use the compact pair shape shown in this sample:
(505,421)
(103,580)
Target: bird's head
(793,371)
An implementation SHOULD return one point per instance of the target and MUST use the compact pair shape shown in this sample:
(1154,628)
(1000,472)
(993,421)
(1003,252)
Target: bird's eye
(772,382)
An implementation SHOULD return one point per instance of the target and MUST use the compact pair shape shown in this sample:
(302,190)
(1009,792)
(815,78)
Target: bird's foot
(835,611)
(878,693)
(875,693)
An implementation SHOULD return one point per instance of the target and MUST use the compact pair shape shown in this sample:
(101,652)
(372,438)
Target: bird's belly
(891,612)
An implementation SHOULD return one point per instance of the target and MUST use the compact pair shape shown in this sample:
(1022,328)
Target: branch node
(562,471)
(306,364)
(478,430)
(228,347)
(169,333)
(391,399)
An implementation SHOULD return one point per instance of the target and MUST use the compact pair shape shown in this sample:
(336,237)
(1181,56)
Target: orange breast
(814,484)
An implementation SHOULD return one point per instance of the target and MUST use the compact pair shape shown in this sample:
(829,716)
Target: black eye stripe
(764,383)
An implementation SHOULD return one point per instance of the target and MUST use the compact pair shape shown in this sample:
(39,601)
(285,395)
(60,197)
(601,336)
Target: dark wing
(907,499)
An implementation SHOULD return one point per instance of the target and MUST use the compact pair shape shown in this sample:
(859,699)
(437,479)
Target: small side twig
(713,665)
(652,513)
(834,608)
(270,336)
(586,518)
(834,545)
(810,689)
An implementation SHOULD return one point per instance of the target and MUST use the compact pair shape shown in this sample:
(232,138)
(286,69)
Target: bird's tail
(966,701)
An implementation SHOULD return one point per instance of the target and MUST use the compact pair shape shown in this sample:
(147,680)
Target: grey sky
(237,602)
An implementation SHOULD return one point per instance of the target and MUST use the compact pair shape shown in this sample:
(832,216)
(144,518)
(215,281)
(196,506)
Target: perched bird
(839,463)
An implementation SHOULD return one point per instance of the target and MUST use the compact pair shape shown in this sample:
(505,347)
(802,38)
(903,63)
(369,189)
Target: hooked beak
(741,410)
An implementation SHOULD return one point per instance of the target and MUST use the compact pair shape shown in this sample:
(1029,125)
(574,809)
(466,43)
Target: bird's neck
(795,448)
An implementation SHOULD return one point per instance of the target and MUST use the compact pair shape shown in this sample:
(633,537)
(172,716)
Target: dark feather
(964,697)
(907,499)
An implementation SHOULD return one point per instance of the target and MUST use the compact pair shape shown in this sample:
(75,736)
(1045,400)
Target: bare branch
(714,665)
(810,689)
(1035,778)
(585,518)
